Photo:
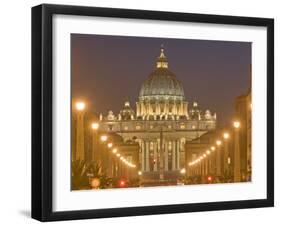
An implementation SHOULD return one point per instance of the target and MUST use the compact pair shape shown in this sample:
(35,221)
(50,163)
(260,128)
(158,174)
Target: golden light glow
(218,142)
(226,135)
(204,155)
(80,106)
(95,125)
(236,124)
(103,138)
(208,152)
(109,145)
(139,173)
(118,155)
(213,148)
(114,150)
(183,171)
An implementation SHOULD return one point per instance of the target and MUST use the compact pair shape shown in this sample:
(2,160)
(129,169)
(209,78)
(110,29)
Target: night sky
(107,70)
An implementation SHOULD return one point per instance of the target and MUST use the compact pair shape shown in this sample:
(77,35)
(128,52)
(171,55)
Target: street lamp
(226,153)
(236,124)
(103,138)
(218,158)
(109,145)
(80,106)
(114,150)
(95,149)
(95,126)
(183,171)
(225,135)
(218,142)
(237,167)
(80,152)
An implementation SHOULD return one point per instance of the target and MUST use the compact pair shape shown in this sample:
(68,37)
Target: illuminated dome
(162,82)
(161,95)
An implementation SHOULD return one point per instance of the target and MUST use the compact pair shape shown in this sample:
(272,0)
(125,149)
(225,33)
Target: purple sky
(106,70)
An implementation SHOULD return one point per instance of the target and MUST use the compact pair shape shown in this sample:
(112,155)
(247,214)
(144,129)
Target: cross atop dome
(162,61)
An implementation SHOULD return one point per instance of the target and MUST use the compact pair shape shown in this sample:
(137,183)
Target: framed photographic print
(147,112)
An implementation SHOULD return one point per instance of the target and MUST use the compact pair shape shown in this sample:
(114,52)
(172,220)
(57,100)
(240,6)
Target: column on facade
(185,109)
(146,109)
(138,108)
(143,108)
(181,108)
(174,108)
(166,154)
(142,155)
(173,155)
(140,112)
(147,156)
(178,154)
(155,157)
(157,108)
(166,107)
(149,109)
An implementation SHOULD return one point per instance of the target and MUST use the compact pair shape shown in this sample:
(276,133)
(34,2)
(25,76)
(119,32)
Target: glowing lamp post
(103,138)
(95,148)
(95,126)
(80,106)
(218,158)
(80,152)
(237,166)
(183,171)
(226,153)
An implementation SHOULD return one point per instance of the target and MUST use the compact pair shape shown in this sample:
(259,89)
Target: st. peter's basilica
(161,122)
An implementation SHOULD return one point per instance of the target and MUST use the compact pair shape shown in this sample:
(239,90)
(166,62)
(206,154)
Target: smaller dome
(127,112)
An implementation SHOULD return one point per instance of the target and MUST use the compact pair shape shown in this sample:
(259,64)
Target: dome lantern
(162,61)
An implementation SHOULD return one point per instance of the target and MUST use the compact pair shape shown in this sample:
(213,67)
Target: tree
(83,171)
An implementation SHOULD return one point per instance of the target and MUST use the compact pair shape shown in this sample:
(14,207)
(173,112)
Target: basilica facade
(162,122)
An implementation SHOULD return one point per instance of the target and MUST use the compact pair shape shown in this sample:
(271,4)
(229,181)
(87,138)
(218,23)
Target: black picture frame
(42,107)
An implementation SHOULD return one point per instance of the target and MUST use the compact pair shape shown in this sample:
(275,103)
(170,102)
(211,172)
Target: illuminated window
(182,126)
